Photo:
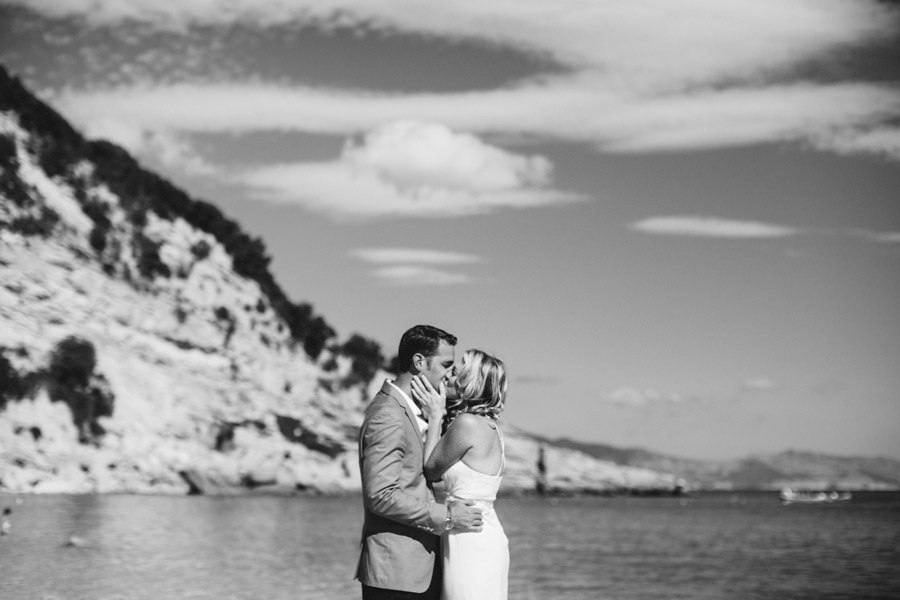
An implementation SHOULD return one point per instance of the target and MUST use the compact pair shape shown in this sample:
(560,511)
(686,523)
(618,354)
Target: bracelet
(448,522)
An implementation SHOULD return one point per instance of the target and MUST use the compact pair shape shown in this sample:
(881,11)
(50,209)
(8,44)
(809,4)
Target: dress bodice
(464,482)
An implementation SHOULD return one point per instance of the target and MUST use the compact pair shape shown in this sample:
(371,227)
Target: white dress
(476,564)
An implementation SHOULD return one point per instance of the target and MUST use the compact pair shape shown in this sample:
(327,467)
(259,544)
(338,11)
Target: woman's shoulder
(470,424)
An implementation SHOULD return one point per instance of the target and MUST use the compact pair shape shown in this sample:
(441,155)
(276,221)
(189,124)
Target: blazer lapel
(391,391)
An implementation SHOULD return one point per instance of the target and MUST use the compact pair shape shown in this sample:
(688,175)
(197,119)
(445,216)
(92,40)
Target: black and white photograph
(392,299)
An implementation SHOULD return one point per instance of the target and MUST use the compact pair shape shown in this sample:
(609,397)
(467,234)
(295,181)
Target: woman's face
(452,390)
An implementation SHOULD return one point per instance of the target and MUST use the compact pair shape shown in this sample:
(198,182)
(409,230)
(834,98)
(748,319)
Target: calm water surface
(711,546)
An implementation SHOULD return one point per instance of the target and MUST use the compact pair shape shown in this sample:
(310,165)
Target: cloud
(413,266)
(414,154)
(537,380)
(412,255)
(714,227)
(880,141)
(758,384)
(658,77)
(417,275)
(410,169)
(891,237)
(879,237)
(629,396)
(580,108)
(701,226)
(633,36)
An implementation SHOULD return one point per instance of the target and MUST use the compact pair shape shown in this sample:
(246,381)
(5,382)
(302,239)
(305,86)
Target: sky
(677,222)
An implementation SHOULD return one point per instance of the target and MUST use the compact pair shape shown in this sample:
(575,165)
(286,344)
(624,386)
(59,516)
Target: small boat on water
(789,496)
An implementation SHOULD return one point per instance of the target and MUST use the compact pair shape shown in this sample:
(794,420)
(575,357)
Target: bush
(11,387)
(71,379)
(97,238)
(366,359)
(11,185)
(97,212)
(201,249)
(41,225)
(73,361)
(393,365)
(318,335)
(8,155)
(148,261)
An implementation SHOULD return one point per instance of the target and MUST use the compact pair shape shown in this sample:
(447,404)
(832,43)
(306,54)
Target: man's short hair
(421,339)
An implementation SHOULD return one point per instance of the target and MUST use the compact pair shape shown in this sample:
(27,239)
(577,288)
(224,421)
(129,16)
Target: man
(403,523)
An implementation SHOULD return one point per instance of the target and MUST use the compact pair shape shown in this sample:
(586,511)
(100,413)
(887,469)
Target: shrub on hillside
(148,261)
(366,359)
(11,387)
(71,379)
(305,325)
(97,212)
(97,238)
(72,362)
(393,365)
(8,156)
(201,249)
(42,224)
(11,185)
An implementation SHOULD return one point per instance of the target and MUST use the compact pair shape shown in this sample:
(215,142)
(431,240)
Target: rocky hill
(146,348)
(801,470)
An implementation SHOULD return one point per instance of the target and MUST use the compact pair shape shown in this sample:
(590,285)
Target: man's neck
(403,381)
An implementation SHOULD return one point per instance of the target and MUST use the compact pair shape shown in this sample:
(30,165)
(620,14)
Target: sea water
(712,546)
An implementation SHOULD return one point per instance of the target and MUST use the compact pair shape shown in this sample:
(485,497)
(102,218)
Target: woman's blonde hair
(481,384)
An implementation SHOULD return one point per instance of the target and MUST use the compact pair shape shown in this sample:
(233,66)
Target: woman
(470,457)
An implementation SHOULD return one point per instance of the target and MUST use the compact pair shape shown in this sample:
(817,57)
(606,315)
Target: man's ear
(419,362)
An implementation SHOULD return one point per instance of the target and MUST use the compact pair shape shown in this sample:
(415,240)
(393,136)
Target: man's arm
(382,463)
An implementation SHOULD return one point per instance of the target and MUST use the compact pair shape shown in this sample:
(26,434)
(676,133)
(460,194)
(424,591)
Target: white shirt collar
(423,424)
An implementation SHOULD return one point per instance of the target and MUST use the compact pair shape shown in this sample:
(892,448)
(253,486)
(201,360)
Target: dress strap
(502,450)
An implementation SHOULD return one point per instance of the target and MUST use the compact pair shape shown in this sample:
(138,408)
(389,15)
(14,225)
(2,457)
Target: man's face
(452,391)
(439,368)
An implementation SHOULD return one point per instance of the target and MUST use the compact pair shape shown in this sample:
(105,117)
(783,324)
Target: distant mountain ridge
(790,468)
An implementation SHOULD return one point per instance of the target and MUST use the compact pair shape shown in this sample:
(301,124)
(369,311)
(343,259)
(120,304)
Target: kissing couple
(436,420)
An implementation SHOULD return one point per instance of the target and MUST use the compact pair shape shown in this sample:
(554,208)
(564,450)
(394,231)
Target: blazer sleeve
(382,454)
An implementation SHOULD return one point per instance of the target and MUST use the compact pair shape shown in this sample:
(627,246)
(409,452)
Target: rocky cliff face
(203,386)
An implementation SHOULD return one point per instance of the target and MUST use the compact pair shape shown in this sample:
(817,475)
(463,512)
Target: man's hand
(466,517)
(433,402)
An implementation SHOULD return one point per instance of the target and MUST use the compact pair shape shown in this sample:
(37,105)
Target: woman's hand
(433,402)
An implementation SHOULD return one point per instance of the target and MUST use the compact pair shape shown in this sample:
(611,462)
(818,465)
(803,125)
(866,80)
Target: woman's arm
(458,440)
(440,452)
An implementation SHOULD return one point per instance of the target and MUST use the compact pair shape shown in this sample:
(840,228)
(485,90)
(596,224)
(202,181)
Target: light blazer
(399,545)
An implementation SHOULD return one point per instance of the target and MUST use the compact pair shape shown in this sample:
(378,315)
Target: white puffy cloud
(704,226)
(414,154)
(410,169)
